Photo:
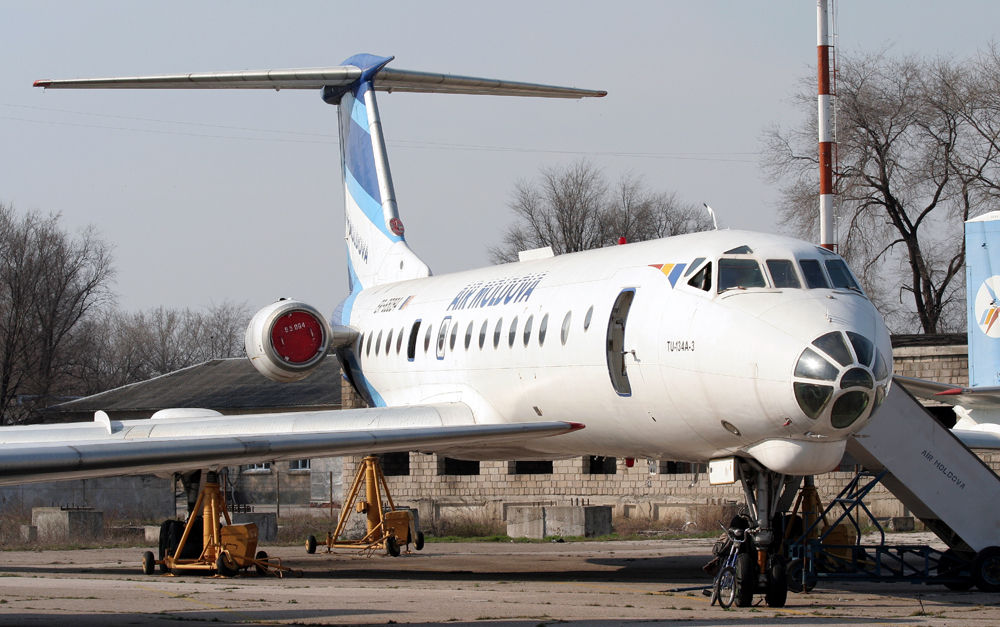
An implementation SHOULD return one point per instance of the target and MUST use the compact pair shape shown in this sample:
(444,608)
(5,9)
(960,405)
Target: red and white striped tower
(827,233)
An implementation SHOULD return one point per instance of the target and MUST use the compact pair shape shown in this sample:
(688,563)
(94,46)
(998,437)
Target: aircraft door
(615,342)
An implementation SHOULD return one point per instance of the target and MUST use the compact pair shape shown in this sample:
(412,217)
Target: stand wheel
(311,545)
(392,546)
(793,576)
(261,568)
(148,563)
(419,544)
(986,569)
(225,565)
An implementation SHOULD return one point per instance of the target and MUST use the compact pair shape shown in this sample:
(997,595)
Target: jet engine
(287,340)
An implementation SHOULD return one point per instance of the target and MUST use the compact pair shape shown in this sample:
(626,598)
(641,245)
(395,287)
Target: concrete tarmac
(587,583)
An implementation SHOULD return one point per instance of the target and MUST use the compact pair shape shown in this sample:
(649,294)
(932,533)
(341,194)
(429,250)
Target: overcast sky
(230,195)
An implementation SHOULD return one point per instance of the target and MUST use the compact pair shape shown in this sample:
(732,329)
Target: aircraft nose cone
(839,378)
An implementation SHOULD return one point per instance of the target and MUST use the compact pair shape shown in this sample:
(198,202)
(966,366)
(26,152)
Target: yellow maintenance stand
(226,548)
(388,528)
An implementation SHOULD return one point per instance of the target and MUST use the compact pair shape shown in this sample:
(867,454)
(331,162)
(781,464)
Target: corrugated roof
(220,384)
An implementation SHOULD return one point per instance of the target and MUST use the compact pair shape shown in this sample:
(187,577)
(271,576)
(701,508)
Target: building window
(449,466)
(597,465)
(262,467)
(667,467)
(298,464)
(529,468)
(395,464)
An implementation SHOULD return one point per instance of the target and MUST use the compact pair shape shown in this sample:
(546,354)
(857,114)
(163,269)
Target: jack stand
(226,548)
(387,529)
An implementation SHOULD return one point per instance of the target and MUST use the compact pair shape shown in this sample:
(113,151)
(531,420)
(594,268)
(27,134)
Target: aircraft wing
(193,439)
(949,394)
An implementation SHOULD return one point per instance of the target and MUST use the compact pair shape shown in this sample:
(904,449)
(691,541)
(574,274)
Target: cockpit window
(783,273)
(739,250)
(740,273)
(811,270)
(694,266)
(840,275)
(702,280)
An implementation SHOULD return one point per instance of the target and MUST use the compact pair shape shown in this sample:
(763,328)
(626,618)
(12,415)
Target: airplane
(976,406)
(759,354)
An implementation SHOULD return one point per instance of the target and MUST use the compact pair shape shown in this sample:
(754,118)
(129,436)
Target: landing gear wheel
(392,546)
(725,587)
(986,569)
(950,565)
(148,563)
(225,565)
(793,576)
(311,545)
(419,544)
(777,582)
(261,557)
(746,578)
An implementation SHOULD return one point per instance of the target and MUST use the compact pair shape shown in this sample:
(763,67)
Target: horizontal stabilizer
(385,79)
(949,394)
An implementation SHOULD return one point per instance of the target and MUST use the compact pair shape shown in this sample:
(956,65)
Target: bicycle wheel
(725,587)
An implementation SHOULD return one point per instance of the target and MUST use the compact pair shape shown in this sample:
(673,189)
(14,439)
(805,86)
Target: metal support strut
(225,548)
(388,528)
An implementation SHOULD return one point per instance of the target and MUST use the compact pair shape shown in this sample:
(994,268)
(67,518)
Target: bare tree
(913,168)
(574,209)
(49,282)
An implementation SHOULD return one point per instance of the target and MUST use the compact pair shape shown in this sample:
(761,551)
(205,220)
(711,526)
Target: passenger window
(703,280)
(482,334)
(399,339)
(388,341)
(378,343)
(564,335)
(468,335)
(513,332)
(739,274)
(527,330)
(411,345)
(496,333)
(840,275)
(361,345)
(542,328)
(588,317)
(783,273)
(811,270)
(454,335)
(427,337)
(368,346)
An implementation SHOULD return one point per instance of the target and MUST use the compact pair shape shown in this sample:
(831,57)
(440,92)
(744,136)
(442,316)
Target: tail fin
(376,250)
(982,286)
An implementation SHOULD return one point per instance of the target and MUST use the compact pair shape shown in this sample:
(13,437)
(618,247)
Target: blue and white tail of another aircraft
(977,406)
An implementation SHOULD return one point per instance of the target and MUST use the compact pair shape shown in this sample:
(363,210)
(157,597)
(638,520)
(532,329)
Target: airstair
(943,483)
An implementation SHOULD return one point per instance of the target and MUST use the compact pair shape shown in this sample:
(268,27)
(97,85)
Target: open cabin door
(615,342)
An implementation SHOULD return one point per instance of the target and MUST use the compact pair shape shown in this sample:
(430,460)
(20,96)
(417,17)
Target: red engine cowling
(287,340)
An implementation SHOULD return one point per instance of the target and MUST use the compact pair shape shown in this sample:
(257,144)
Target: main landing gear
(388,528)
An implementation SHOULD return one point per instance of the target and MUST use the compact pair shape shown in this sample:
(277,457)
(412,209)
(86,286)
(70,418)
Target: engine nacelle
(287,340)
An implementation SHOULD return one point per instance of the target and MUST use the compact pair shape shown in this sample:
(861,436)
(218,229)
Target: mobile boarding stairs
(937,478)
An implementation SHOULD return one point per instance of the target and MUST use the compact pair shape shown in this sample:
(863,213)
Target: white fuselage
(696,374)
